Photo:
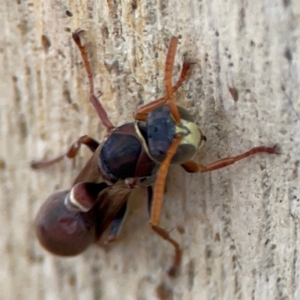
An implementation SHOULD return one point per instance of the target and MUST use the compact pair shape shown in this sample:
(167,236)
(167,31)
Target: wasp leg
(71,153)
(143,111)
(192,167)
(168,78)
(157,205)
(117,224)
(173,271)
(93,99)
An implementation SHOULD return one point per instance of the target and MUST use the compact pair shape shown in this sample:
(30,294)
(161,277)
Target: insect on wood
(136,154)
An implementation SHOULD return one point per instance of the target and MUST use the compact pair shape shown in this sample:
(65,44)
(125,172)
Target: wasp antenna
(159,186)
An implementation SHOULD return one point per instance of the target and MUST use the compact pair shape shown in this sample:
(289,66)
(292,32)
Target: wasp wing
(110,203)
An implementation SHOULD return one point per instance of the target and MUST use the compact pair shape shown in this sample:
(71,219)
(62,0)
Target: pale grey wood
(241,224)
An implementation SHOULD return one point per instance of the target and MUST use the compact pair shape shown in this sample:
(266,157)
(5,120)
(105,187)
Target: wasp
(135,154)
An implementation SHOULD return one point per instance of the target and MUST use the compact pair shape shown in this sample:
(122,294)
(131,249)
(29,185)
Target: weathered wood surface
(241,224)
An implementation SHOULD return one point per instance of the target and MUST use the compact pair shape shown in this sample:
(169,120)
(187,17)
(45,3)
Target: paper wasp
(132,155)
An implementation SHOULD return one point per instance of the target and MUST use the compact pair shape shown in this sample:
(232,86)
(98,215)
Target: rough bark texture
(240,225)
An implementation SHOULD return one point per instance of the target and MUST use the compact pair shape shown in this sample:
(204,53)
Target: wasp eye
(62,231)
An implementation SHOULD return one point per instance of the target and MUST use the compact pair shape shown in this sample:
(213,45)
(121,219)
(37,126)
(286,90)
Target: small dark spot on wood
(191,273)
(69,14)
(67,29)
(45,42)
(295,170)
(23,127)
(208,253)
(217,237)
(282,87)
(163,6)
(217,33)
(16,90)
(61,53)
(241,19)
(2,164)
(234,93)
(164,292)
(8,247)
(23,27)
(105,32)
(18,1)
(267,242)
(288,54)
(113,68)
(252,44)
(231,64)
(248,91)
(75,107)
(180,229)
(72,280)
(67,95)
(134,5)
(273,247)
(286,3)
(32,256)
(208,271)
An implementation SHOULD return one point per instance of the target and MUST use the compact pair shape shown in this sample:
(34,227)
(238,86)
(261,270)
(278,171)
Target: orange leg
(71,153)
(168,78)
(93,99)
(142,112)
(157,204)
(192,167)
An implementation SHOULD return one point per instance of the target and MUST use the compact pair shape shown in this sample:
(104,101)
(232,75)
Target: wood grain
(238,227)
